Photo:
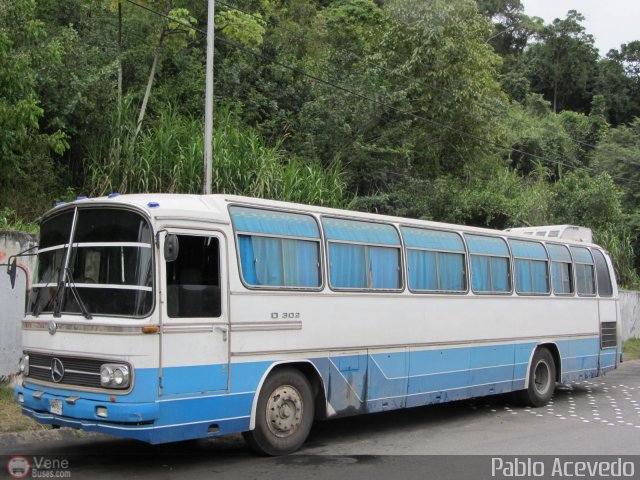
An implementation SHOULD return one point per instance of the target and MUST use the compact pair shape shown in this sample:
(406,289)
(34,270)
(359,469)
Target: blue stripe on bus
(353,384)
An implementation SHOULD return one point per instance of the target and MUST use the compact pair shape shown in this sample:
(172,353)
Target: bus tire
(284,413)
(542,379)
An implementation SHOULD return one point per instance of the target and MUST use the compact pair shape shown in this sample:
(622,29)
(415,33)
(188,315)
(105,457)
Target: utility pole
(119,125)
(208,107)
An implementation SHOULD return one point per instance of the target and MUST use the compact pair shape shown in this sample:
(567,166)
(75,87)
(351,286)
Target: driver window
(193,279)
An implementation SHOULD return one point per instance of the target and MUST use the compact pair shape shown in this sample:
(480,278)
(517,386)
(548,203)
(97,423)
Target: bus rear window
(604,279)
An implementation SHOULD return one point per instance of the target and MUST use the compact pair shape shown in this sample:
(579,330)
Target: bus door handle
(222,330)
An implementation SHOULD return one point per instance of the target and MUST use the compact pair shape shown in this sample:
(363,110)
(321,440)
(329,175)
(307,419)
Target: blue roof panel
(559,253)
(255,220)
(357,231)
(524,249)
(479,244)
(432,239)
(581,255)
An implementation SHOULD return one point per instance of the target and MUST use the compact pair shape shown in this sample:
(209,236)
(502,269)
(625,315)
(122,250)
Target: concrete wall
(13,300)
(630,312)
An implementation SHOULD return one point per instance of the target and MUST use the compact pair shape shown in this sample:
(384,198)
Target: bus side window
(530,263)
(489,264)
(435,260)
(604,279)
(363,255)
(279,262)
(561,269)
(277,249)
(585,275)
(193,279)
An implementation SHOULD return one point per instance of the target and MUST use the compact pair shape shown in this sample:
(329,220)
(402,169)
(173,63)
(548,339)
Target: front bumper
(123,419)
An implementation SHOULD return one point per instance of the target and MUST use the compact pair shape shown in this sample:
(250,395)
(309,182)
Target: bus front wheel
(284,413)
(542,379)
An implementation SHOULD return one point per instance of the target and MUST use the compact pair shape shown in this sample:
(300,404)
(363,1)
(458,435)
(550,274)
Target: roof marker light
(153,204)
(113,195)
(82,197)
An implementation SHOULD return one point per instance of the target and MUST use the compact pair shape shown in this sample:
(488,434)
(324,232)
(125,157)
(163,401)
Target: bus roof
(213,208)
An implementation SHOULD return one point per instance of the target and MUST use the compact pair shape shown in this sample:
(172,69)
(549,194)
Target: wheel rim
(284,411)
(542,377)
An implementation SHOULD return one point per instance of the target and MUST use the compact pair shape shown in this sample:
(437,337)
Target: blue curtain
(436,271)
(490,274)
(531,276)
(422,270)
(452,275)
(385,265)
(301,263)
(500,274)
(584,277)
(247,259)
(560,272)
(279,262)
(481,274)
(347,265)
(364,266)
(523,276)
(268,264)
(539,276)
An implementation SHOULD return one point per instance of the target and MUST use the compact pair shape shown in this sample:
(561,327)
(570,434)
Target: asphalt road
(599,417)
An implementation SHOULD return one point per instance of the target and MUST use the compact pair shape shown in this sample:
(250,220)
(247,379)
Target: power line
(419,81)
(346,92)
(377,65)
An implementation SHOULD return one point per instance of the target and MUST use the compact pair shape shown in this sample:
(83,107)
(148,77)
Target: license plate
(55,407)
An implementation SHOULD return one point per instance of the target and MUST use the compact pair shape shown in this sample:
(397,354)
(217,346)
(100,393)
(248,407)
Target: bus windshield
(109,269)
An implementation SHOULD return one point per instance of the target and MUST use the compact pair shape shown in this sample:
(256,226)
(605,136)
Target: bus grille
(608,335)
(83,372)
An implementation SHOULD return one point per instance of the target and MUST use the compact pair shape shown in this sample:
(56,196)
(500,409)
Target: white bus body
(154,359)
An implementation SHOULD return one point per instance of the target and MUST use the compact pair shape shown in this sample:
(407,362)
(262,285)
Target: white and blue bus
(173,317)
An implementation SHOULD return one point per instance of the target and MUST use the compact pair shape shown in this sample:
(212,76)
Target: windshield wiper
(76,296)
(36,310)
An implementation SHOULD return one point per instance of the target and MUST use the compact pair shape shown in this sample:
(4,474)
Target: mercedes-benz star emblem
(52,327)
(57,370)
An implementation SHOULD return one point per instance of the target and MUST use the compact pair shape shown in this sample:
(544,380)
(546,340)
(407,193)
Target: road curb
(45,435)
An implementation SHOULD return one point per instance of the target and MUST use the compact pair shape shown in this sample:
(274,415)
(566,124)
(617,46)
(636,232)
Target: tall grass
(617,240)
(168,157)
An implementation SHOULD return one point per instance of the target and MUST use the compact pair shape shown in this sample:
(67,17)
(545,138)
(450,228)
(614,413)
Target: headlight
(23,365)
(114,376)
(106,375)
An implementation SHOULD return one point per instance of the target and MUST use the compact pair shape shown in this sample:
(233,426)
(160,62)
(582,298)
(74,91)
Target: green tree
(28,172)
(513,29)
(619,155)
(424,78)
(619,82)
(562,65)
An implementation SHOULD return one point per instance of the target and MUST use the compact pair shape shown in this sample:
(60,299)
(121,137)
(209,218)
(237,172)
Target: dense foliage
(454,110)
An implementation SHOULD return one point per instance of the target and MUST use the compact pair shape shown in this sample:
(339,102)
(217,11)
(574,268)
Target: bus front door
(194,353)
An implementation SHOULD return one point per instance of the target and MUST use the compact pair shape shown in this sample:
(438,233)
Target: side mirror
(12,271)
(171,248)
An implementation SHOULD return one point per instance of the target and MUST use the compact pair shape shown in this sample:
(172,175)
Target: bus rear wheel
(542,379)
(284,413)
